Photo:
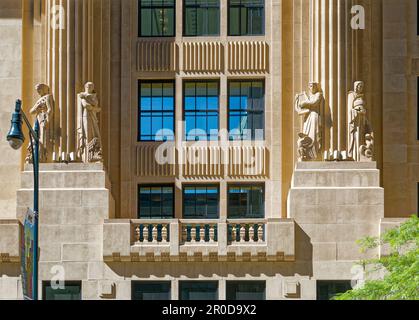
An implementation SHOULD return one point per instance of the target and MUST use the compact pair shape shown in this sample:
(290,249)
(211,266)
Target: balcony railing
(246,231)
(199,240)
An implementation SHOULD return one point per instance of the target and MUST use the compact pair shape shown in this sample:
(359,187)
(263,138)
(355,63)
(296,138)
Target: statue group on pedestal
(311,108)
(89,141)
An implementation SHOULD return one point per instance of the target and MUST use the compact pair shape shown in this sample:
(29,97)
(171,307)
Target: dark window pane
(198,290)
(246,290)
(202,18)
(246,17)
(71,291)
(326,290)
(200,202)
(155,202)
(151,290)
(246,202)
(157,18)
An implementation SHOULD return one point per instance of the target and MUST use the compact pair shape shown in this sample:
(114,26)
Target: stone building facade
(222,219)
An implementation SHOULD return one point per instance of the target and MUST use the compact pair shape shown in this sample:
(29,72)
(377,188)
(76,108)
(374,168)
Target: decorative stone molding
(203,57)
(155,56)
(202,161)
(248,57)
(147,166)
(248,161)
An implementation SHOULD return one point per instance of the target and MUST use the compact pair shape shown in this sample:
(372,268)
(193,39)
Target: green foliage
(401,280)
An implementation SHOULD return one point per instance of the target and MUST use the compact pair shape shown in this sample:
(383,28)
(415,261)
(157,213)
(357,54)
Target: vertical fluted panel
(69,64)
(147,166)
(332,59)
(248,161)
(248,56)
(157,56)
(203,57)
(202,161)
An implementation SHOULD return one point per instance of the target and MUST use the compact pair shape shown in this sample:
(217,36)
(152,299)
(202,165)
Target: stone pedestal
(336,204)
(75,200)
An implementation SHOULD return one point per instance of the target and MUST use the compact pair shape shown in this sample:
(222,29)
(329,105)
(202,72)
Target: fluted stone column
(69,46)
(333,61)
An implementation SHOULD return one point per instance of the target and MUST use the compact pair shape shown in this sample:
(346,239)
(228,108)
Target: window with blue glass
(201,202)
(201,18)
(246,201)
(156,202)
(246,17)
(198,290)
(245,290)
(246,110)
(157,18)
(151,290)
(201,110)
(156,110)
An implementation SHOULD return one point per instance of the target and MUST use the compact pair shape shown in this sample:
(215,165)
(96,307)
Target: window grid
(246,290)
(155,201)
(194,114)
(151,290)
(212,193)
(166,24)
(246,201)
(198,290)
(247,110)
(156,110)
(250,8)
(72,291)
(193,6)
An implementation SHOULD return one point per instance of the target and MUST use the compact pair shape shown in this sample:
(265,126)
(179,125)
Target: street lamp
(16,140)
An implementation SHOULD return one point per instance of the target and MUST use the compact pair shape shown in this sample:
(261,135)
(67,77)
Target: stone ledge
(199,257)
(319,165)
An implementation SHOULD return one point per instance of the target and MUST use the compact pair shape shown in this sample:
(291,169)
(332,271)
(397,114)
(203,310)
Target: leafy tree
(401,266)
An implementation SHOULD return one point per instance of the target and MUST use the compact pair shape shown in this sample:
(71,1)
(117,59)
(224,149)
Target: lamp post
(16,140)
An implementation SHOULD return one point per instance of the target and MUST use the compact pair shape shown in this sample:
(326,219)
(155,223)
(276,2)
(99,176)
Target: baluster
(242,233)
(137,234)
(202,233)
(145,233)
(211,233)
(164,233)
(254,229)
(184,233)
(260,232)
(193,234)
(154,233)
(233,233)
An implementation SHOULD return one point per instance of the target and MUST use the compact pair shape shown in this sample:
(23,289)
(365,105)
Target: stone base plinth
(335,204)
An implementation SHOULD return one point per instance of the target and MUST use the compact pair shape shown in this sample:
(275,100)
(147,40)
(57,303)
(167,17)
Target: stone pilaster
(333,63)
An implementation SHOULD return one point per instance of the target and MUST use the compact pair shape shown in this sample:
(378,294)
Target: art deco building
(203,191)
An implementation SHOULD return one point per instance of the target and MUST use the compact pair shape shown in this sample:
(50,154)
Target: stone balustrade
(199,240)
(246,231)
(199,231)
(151,232)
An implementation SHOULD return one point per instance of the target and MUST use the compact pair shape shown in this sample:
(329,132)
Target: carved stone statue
(360,135)
(43,110)
(89,142)
(310,106)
